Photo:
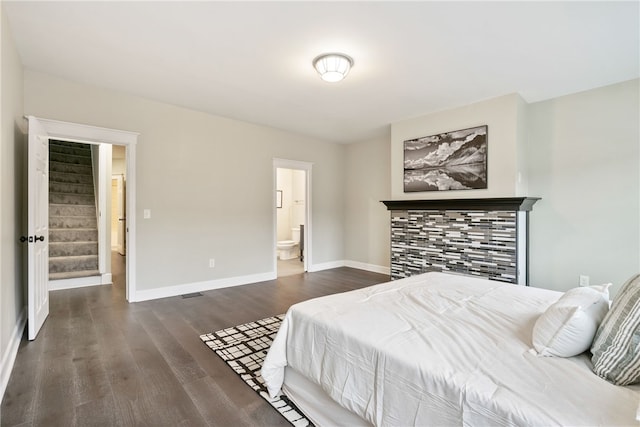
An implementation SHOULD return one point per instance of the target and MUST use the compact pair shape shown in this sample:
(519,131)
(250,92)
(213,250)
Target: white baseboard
(107,279)
(368,267)
(10,353)
(326,266)
(77,282)
(208,285)
(188,288)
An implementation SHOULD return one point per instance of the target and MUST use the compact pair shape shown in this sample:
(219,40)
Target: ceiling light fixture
(333,67)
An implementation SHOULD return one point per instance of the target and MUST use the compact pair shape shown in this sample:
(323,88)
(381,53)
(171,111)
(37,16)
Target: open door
(122,216)
(118,214)
(38,227)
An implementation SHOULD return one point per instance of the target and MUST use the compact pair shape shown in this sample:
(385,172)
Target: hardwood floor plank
(54,399)
(101,361)
(180,362)
(19,398)
(214,405)
(99,413)
(89,376)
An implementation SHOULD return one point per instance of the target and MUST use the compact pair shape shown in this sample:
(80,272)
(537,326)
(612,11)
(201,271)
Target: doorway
(118,219)
(87,214)
(45,130)
(41,131)
(118,199)
(292,228)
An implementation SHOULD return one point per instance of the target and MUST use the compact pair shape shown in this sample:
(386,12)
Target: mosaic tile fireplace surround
(483,237)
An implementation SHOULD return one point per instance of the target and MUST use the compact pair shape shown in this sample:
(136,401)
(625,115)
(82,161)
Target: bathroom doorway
(292,217)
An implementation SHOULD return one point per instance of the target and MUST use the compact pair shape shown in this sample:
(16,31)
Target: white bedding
(439,349)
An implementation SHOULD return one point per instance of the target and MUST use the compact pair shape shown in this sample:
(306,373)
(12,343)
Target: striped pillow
(616,348)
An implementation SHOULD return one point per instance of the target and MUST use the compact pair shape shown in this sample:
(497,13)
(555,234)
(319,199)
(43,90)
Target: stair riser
(73,274)
(64,235)
(70,159)
(57,249)
(72,210)
(72,222)
(70,168)
(70,178)
(62,143)
(59,187)
(73,151)
(71,199)
(59,265)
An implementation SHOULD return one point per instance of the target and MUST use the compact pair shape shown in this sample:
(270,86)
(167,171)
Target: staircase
(73,230)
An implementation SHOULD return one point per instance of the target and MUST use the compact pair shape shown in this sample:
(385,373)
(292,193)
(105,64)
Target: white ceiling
(252,60)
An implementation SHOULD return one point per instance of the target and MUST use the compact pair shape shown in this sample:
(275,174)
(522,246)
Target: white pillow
(568,326)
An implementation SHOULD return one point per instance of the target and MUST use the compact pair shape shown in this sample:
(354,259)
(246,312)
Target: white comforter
(439,349)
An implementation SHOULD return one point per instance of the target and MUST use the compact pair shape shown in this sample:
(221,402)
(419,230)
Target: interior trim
(485,204)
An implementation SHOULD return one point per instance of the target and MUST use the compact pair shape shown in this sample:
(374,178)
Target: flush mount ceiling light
(333,67)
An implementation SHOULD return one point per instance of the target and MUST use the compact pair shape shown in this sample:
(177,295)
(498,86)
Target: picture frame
(455,160)
(279,199)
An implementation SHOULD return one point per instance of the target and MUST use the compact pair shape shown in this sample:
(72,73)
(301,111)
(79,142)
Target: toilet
(288,249)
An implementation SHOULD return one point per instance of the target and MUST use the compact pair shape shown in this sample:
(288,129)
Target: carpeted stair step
(73,235)
(71,210)
(71,149)
(57,222)
(61,249)
(72,199)
(73,274)
(73,263)
(70,159)
(71,178)
(70,168)
(73,188)
(65,187)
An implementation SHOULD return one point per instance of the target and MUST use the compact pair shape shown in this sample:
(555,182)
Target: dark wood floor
(99,361)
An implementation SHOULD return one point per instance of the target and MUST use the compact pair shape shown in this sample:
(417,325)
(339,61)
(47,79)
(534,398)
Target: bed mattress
(440,349)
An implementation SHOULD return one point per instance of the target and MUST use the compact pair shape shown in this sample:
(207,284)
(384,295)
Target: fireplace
(482,237)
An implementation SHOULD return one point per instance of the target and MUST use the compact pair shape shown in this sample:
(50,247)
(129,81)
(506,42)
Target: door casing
(306,167)
(87,134)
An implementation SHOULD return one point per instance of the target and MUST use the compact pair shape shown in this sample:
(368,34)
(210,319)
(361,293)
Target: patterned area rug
(244,348)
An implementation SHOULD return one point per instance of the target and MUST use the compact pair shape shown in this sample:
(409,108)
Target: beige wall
(12,144)
(366,219)
(502,115)
(580,153)
(583,156)
(207,181)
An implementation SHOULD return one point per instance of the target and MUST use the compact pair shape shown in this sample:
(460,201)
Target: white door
(122,216)
(119,213)
(38,227)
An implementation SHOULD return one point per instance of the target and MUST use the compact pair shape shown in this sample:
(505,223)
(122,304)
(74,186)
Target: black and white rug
(244,348)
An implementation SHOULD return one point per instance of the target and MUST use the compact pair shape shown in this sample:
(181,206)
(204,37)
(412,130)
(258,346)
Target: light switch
(146,213)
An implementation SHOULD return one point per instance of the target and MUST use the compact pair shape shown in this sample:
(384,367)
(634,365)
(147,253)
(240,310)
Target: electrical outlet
(584,280)
(146,214)
(212,263)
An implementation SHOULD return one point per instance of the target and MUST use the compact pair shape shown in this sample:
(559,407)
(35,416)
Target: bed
(436,349)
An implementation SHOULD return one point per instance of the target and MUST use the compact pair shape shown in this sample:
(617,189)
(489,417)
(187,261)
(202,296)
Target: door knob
(31,239)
